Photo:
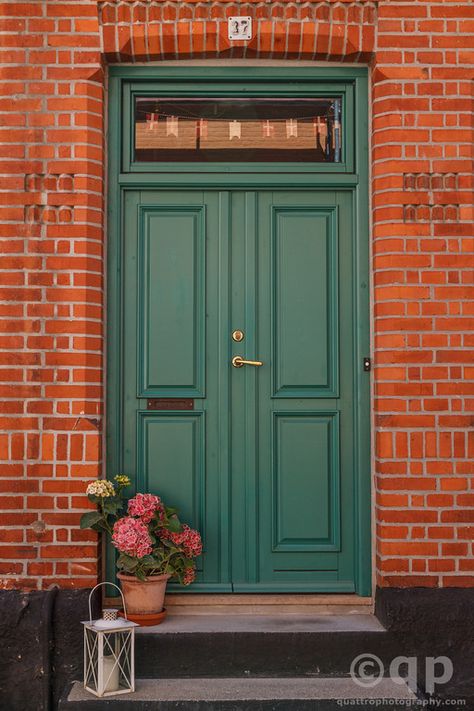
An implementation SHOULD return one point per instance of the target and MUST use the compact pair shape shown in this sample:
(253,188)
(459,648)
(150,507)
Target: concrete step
(217,694)
(258,645)
(268,624)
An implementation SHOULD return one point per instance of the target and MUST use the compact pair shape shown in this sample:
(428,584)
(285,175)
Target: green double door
(260,458)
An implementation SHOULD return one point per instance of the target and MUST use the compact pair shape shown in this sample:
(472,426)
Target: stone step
(191,624)
(217,694)
(258,645)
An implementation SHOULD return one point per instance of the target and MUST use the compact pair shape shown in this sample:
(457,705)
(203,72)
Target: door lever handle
(238,362)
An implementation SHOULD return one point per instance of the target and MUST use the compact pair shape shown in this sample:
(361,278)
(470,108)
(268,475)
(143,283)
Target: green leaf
(174,525)
(148,561)
(91,518)
(166,543)
(112,504)
(127,563)
(126,558)
(102,526)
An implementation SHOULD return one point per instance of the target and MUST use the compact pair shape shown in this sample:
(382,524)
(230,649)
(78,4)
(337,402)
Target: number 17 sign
(240,28)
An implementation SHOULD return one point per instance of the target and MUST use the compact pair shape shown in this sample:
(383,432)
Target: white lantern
(109,651)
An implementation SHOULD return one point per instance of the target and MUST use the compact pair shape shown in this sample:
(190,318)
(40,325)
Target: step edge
(187,690)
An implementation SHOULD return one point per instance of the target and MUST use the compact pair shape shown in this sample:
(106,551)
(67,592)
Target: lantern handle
(114,586)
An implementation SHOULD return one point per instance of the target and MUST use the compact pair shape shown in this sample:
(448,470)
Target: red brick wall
(51,291)
(423,265)
(52,270)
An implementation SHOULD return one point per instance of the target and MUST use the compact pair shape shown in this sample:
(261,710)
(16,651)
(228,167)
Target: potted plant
(153,544)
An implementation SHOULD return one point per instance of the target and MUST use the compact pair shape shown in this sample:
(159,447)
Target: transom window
(182,129)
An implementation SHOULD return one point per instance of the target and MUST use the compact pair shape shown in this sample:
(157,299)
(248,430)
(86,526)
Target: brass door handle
(238,362)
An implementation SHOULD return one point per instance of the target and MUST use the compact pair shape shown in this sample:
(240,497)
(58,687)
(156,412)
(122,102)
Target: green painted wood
(304,302)
(170,459)
(246,524)
(305,480)
(239,181)
(171,309)
(170,243)
(287,522)
(271,75)
(361,343)
(290,448)
(244,405)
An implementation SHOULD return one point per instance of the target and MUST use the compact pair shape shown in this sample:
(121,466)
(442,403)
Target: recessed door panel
(171,312)
(171,460)
(305,302)
(305,481)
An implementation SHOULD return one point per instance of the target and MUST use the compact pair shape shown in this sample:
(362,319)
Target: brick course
(52,84)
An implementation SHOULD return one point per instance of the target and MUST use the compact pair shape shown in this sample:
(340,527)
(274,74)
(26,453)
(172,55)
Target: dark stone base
(42,642)
(41,646)
(432,622)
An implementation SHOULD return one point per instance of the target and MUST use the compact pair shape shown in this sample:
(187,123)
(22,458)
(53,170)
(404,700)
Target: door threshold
(262,604)
(267,604)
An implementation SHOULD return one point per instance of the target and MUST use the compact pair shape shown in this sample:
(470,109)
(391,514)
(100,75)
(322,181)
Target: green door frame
(350,175)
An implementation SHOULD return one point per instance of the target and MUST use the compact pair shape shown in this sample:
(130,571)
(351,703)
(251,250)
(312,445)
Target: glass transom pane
(233,129)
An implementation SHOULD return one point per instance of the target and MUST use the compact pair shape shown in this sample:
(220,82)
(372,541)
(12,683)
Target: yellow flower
(122,480)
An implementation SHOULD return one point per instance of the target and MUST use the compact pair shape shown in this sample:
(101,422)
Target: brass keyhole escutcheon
(238,336)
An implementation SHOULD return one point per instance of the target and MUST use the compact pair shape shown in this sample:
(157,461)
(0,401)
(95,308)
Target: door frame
(353,178)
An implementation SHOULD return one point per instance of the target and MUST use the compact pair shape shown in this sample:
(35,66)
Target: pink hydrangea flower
(188,538)
(176,538)
(131,536)
(192,543)
(189,576)
(144,506)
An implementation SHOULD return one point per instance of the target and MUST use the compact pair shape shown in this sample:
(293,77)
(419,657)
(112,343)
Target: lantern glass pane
(125,659)
(91,659)
(190,129)
(118,646)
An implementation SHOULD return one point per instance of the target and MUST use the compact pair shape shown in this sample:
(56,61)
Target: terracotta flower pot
(143,597)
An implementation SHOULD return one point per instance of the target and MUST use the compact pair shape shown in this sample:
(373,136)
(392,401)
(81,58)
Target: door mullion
(224,415)
(251,386)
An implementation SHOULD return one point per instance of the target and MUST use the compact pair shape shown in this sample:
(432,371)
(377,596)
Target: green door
(260,458)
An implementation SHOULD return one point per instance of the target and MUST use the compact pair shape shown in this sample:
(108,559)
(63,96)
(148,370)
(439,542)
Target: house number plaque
(170,404)
(239,28)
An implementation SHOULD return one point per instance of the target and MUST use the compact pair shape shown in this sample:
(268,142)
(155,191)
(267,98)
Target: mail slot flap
(170,404)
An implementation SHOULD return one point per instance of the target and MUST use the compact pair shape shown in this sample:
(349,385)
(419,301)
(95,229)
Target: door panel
(304,301)
(171,330)
(305,477)
(263,464)
(177,443)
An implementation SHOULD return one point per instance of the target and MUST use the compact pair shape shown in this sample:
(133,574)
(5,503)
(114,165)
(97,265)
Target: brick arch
(151,30)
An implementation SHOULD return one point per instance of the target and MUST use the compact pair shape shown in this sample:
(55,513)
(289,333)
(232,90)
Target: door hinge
(367,364)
